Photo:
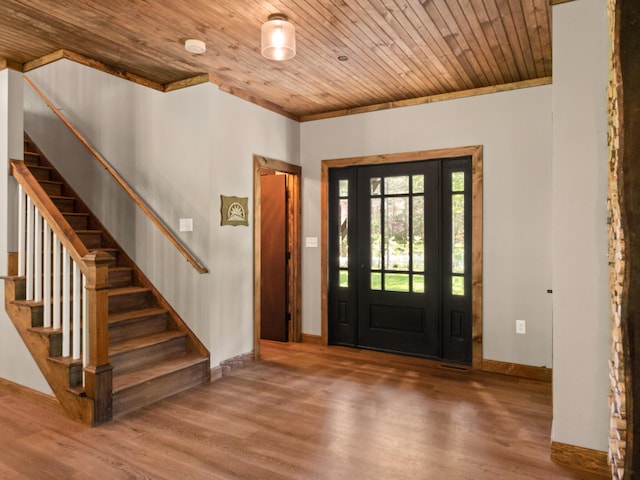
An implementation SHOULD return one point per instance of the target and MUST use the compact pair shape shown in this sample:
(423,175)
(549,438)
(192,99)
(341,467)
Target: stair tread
(45,331)
(88,231)
(120,269)
(110,251)
(126,290)
(54,182)
(155,370)
(134,314)
(66,361)
(75,214)
(27,303)
(136,343)
(61,197)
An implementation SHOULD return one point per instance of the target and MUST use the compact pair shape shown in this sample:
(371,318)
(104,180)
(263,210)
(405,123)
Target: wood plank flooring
(304,412)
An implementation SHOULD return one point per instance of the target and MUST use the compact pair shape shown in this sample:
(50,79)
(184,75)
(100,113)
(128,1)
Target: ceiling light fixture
(278,38)
(195,46)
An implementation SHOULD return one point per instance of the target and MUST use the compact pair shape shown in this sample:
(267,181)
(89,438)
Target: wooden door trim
(475,152)
(261,164)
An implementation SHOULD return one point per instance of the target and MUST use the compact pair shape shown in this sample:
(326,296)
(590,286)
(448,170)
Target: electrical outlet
(521,327)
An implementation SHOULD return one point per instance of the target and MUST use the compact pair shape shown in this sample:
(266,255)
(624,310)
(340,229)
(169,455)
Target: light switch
(311,242)
(186,224)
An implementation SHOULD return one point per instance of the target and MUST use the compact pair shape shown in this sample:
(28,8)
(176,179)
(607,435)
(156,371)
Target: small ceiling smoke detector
(195,46)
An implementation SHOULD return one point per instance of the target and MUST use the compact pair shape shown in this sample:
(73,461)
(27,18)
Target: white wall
(180,151)
(515,130)
(16,363)
(581,335)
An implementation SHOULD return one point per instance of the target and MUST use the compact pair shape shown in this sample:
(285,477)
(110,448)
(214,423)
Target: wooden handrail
(50,213)
(134,196)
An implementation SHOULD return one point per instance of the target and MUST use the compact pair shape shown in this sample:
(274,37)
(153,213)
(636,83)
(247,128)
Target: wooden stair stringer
(77,407)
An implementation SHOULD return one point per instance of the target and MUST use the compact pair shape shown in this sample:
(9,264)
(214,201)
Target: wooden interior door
(274,282)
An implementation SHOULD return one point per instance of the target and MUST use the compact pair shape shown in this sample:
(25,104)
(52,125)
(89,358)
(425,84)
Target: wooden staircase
(152,351)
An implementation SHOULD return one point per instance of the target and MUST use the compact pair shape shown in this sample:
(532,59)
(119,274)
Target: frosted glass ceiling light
(278,38)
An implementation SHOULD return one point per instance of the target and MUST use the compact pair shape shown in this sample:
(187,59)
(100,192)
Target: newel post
(98,372)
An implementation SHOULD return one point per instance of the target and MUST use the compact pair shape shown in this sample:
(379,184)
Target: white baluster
(66,304)
(29,272)
(46,291)
(37,256)
(77,303)
(22,212)
(85,327)
(57,272)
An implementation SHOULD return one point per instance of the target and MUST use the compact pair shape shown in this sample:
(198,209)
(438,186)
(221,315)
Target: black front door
(400,258)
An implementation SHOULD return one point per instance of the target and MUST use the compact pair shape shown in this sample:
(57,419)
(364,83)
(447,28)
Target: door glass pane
(396,233)
(418,283)
(376,186)
(457,233)
(376,234)
(457,285)
(343,188)
(418,233)
(376,281)
(396,185)
(418,184)
(344,278)
(343,240)
(457,182)
(396,282)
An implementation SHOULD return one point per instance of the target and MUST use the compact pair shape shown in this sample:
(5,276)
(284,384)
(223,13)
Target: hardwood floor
(304,412)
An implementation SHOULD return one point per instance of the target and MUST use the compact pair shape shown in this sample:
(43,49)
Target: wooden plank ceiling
(397,49)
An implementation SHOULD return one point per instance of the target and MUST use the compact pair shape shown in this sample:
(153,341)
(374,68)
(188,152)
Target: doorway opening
(402,253)
(277,251)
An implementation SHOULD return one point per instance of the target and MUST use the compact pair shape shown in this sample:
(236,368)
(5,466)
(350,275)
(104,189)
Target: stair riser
(77,222)
(37,315)
(141,395)
(20,288)
(40,173)
(137,328)
(91,240)
(64,204)
(31,158)
(119,279)
(134,359)
(75,376)
(131,301)
(52,188)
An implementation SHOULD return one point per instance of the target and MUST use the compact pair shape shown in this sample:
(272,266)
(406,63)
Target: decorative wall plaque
(234,211)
